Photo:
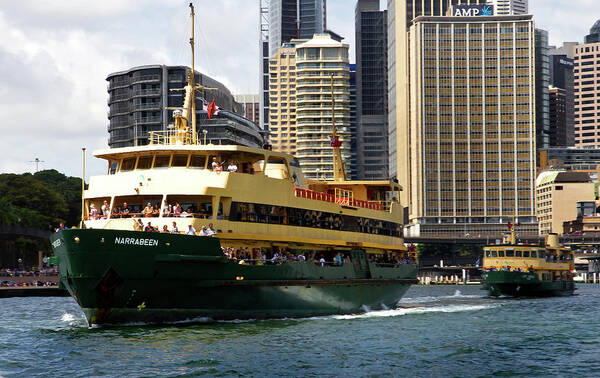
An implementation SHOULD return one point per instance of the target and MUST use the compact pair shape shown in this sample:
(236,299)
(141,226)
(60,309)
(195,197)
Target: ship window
(198,161)
(510,253)
(113,167)
(534,254)
(518,254)
(488,253)
(494,253)
(128,164)
(179,160)
(500,253)
(525,253)
(542,255)
(144,162)
(162,161)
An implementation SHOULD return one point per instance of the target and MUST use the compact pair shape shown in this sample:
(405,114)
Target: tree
(69,188)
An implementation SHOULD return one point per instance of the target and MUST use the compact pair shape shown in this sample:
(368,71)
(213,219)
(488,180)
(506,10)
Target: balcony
(145,78)
(147,92)
(148,120)
(147,106)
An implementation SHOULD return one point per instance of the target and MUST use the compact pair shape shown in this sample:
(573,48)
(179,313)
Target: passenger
(203,231)
(177,210)
(165,229)
(167,209)
(211,230)
(148,210)
(191,230)
(125,210)
(61,227)
(216,166)
(105,210)
(347,259)
(322,260)
(156,211)
(138,225)
(301,257)
(93,212)
(338,259)
(149,227)
(232,167)
(174,230)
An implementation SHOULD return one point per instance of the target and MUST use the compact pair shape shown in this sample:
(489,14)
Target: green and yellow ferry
(526,270)
(242,234)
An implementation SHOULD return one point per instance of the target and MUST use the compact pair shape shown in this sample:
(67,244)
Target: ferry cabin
(550,263)
(265,202)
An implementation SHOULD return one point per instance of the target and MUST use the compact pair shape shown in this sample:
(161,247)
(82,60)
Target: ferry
(526,270)
(178,229)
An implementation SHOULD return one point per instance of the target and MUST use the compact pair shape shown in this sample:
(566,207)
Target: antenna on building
(37,163)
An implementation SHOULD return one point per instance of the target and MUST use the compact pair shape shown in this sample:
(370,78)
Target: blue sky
(56,54)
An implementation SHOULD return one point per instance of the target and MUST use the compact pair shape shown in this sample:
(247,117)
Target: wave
(426,299)
(415,310)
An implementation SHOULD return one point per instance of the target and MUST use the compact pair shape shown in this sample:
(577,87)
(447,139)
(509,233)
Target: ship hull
(124,276)
(523,284)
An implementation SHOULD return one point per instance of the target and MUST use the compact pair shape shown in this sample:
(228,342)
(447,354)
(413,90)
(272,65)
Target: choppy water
(444,331)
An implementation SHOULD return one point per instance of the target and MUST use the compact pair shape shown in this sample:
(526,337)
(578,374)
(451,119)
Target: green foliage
(41,201)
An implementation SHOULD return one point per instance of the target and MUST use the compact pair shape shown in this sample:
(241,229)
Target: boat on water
(527,270)
(179,229)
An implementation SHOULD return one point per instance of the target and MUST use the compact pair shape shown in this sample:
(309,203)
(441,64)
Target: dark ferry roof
(118,153)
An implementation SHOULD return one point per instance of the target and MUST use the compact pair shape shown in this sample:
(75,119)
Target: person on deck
(177,209)
(149,227)
(211,230)
(105,210)
(191,230)
(125,210)
(203,231)
(232,167)
(174,230)
(148,210)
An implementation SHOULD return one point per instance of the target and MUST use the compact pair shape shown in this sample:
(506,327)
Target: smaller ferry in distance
(528,270)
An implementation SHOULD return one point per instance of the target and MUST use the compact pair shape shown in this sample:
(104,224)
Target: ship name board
(136,241)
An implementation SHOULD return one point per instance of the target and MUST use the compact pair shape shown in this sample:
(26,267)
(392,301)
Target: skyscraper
(587,95)
(542,95)
(282,98)
(371,91)
(471,125)
(287,19)
(317,62)
(400,16)
(561,100)
(509,7)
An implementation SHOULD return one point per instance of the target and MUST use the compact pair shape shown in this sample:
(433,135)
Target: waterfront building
(282,21)
(282,98)
(561,99)
(559,132)
(557,194)
(509,7)
(317,61)
(471,130)
(138,99)
(353,124)
(400,16)
(371,91)
(542,93)
(251,106)
(587,95)
(571,159)
(587,221)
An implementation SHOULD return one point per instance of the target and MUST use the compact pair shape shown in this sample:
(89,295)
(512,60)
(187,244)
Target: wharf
(33,291)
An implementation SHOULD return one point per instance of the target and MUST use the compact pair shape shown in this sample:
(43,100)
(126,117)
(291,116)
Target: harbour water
(436,331)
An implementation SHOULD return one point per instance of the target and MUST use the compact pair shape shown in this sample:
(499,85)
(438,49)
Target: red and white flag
(212,109)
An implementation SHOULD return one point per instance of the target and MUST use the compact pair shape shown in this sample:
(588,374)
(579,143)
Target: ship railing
(171,137)
(344,201)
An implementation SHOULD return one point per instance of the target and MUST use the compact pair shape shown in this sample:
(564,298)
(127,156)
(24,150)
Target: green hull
(522,284)
(126,276)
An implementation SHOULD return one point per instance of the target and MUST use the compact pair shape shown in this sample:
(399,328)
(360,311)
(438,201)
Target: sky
(55,56)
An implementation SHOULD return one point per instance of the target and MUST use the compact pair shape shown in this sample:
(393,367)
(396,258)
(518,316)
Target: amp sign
(473,10)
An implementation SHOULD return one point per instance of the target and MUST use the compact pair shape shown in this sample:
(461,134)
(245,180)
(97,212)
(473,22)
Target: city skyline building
(371,91)
(282,98)
(559,133)
(542,93)
(472,126)
(251,106)
(562,131)
(282,21)
(594,35)
(318,61)
(509,7)
(353,174)
(138,99)
(400,16)
(587,95)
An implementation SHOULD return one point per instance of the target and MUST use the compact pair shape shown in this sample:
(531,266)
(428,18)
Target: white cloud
(56,54)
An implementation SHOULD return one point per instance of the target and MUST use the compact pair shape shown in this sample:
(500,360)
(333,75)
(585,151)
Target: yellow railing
(172,137)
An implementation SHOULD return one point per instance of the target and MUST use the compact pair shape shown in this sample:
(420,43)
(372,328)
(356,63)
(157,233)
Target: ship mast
(339,174)
(192,81)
